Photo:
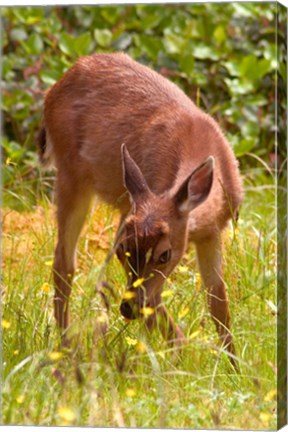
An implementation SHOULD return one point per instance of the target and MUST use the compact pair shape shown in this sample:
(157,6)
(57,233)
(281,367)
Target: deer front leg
(170,331)
(209,256)
(73,205)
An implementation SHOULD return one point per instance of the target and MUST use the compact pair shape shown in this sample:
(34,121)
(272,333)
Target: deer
(115,128)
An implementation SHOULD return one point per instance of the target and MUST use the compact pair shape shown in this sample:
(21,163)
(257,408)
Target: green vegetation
(114,373)
(127,377)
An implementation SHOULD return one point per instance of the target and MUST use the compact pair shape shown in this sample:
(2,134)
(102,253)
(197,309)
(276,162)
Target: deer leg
(170,331)
(210,263)
(73,205)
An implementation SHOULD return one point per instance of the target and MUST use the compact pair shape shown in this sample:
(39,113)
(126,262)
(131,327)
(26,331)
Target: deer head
(153,237)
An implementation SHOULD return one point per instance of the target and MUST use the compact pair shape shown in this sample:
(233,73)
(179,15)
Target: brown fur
(106,100)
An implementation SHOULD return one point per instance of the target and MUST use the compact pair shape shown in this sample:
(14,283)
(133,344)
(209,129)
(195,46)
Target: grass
(114,373)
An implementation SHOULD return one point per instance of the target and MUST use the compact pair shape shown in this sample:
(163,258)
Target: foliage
(224,60)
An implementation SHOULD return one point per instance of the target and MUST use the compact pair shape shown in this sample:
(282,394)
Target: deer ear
(133,178)
(196,187)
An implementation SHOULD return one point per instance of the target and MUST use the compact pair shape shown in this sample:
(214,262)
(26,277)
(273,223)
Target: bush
(224,59)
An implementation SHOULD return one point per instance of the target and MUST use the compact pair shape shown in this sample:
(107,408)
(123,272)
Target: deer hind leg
(72,207)
(210,263)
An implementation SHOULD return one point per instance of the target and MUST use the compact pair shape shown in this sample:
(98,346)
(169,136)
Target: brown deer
(118,129)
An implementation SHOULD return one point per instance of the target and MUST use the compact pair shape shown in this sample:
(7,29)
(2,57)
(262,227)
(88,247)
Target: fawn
(115,128)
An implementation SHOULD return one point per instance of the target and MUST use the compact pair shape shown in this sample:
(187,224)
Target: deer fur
(116,128)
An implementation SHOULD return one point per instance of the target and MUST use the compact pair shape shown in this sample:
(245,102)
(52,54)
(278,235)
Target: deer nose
(127,311)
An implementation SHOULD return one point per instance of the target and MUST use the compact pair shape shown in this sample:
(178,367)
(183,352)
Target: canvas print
(144,175)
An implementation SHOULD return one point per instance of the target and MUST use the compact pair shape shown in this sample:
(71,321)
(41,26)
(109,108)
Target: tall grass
(115,373)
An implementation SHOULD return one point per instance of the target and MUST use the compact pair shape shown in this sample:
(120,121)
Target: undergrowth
(115,373)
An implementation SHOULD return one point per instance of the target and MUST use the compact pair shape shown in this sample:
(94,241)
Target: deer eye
(165,257)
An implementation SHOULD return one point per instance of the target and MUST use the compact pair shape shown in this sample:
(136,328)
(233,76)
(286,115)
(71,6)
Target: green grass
(116,374)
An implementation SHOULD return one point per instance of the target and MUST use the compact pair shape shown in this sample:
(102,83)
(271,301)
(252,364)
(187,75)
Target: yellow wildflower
(49,263)
(66,414)
(130,392)
(101,319)
(270,395)
(16,352)
(194,334)
(55,355)
(5,324)
(147,311)
(233,231)
(183,269)
(141,347)
(138,282)
(45,287)
(20,399)
(10,162)
(183,312)
(198,281)
(265,417)
(167,293)
(128,295)
(131,341)
(128,254)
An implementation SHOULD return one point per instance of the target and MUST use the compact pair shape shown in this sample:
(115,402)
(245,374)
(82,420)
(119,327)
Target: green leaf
(111,14)
(36,44)
(270,52)
(18,34)
(7,68)
(283,71)
(263,67)
(82,44)
(250,129)
(186,64)
(29,15)
(150,21)
(149,44)
(238,87)
(49,76)
(257,100)
(232,67)
(241,9)
(36,15)
(219,34)
(13,150)
(243,146)
(253,69)
(103,37)
(66,44)
(203,52)
(123,41)
(173,43)
(248,67)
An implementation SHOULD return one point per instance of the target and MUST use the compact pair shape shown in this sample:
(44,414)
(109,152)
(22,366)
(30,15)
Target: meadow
(115,373)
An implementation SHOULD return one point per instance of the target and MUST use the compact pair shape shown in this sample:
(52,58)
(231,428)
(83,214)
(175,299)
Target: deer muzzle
(129,310)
